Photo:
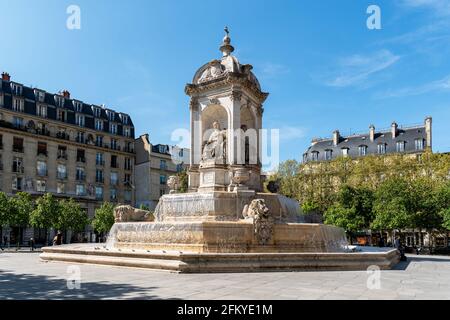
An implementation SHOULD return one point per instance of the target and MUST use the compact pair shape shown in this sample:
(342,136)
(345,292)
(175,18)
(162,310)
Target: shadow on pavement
(403,265)
(27,286)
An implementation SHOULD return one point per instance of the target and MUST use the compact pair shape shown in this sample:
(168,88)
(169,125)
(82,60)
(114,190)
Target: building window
(98,125)
(42,149)
(39,95)
(18,122)
(61,115)
(79,120)
(17,144)
(362,150)
(99,176)
(127,132)
(113,128)
(1,100)
(419,143)
(17,165)
(60,188)
(114,178)
(111,115)
(41,168)
(345,152)
(113,194)
(80,155)
(328,154)
(114,144)
(99,141)
(61,171)
(305,157)
(400,146)
(18,104)
(127,196)
(381,148)
(81,190)
(162,149)
(314,156)
(99,159)
(17,184)
(62,152)
(80,174)
(127,180)
(97,112)
(80,137)
(40,185)
(16,89)
(124,118)
(127,164)
(99,193)
(41,111)
(162,164)
(114,161)
(78,106)
(162,179)
(59,101)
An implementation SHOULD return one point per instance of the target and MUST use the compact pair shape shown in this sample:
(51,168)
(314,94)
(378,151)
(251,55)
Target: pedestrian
(59,238)
(31,244)
(5,240)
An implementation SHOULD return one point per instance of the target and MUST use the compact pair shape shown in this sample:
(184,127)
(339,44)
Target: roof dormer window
(314,155)
(78,106)
(97,112)
(39,95)
(124,118)
(59,101)
(111,115)
(362,150)
(400,146)
(16,89)
(328,154)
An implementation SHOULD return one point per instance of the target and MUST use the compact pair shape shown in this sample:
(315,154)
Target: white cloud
(441,85)
(288,133)
(439,7)
(357,69)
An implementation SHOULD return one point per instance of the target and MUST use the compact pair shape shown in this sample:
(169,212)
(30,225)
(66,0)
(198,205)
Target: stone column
(235,124)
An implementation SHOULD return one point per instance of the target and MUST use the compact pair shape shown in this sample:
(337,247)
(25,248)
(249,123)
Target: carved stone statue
(262,221)
(127,213)
(173,183)
(215,147)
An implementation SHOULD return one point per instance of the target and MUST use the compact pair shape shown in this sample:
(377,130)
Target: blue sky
(324,69)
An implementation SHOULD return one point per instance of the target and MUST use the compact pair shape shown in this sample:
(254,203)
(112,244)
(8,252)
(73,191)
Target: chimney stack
(394,127)
(66,94)
(6,76)
(428,123)
(336,137)
(372,133)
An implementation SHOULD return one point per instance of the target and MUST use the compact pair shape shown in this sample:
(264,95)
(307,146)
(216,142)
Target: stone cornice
(230,78)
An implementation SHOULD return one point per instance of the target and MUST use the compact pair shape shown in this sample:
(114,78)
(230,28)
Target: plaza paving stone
(25,276)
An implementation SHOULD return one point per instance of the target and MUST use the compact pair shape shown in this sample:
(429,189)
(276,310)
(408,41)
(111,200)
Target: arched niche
(212,113)
(247,117)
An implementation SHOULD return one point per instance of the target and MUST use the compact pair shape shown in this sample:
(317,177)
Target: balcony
(61,175)
(114,165)
(42,173)
(17,149)
(62,136)
(62,156)
(81,159)
(42,153)
(18,169)
(99,162)
(80,140)
(128,168)
(43,132)
(99,180)
(128,149)
(81,177)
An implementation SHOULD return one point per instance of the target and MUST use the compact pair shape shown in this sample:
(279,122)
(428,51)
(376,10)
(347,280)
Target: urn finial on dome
(226,47)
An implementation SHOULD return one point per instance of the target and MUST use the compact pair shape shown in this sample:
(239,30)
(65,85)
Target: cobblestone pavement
(25,276)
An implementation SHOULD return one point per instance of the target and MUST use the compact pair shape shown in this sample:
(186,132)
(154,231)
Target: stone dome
(217,69)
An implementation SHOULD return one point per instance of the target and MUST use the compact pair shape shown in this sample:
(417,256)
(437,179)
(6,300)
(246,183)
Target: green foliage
(445,213)
(184,178)
(21,206)
(71,216)
(4,209)
(104,218)
(144,207)
(45,213)
(379,192)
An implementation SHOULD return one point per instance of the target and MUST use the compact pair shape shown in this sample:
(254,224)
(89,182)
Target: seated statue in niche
(214,149)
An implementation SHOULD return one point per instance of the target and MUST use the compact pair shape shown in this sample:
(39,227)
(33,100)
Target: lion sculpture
(262,221)
(127,213)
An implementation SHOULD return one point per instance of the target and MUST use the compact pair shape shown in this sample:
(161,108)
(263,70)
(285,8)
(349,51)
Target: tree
(104,218)
(45,213)
(346,218)
(21,206)
(71,216)
(184,179)
(4,209)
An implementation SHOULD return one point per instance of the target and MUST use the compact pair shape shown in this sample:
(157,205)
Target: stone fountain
(225,223)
